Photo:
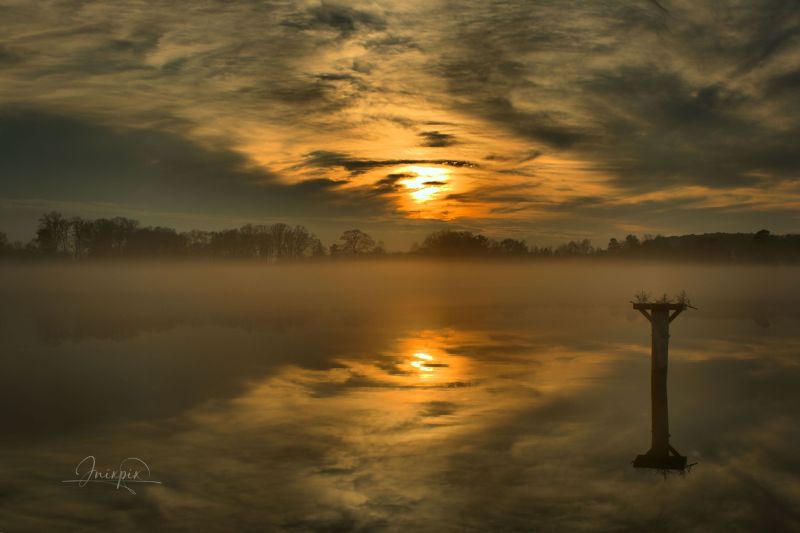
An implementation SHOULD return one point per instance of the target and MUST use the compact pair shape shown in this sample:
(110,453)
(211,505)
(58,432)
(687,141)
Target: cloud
(338,17)
(435,139)
(438,408)
(542,126)
(63,158)
(8,56)
(773,28)
(659,6)
(681,118)
(394,177)
(667,131)
(355,165)
(499,193)
(390,183)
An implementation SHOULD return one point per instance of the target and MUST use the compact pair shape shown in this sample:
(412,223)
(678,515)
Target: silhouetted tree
(5,245)
(354,242)
(155,242)
(226,243)
(82,233)
(513,247)
(262,242)
(544,251)
(110,236)
(583,247)
(278,240)
(631,242)
(298,241)
(17,249)
(317,248)
(198,243)
(455,243)
(52,235)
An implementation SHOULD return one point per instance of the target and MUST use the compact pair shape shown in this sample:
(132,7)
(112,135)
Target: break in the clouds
(599,118)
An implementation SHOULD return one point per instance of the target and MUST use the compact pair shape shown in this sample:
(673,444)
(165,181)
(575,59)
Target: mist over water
(395,396)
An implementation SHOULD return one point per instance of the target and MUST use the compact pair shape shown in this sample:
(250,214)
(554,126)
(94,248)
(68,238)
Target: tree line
(759,246)
(120,237)
(77,238)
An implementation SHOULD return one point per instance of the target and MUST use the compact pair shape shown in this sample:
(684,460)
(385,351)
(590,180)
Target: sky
(546,121)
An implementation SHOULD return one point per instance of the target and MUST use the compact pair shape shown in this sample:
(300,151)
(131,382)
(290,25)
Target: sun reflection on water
(429,358)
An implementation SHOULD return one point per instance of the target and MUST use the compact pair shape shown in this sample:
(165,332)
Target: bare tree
(82,232)
(298,240)
(52,235)
(356,242)
(278,238)
(317,248)
(198,242)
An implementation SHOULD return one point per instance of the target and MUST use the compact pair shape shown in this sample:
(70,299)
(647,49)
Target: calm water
(395,397)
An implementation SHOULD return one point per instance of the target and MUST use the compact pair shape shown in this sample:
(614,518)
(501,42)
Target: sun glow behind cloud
(427,184)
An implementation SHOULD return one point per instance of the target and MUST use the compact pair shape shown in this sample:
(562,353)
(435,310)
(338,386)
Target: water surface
(395,397)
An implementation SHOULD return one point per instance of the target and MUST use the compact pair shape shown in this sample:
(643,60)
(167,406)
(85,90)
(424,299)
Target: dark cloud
(784,85)
(393,44)
(336,77)
(389,184)
(517,172)
(657,129)
(542,126)
(356,381)
(500,193)
(319,184)
(333,16)
(326,159)
(8,56)
(393,178)
(317,95)
(438,408)
(535,154)
(480,196)
(435,139)
(64,158)
(107,56)
(659,6)
(577,203)
(773,27)
(483,95)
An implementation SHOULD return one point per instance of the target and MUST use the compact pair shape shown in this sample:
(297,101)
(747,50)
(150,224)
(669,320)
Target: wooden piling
(661,454)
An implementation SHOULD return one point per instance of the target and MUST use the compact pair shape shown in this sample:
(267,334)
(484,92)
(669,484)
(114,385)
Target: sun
(427,182)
